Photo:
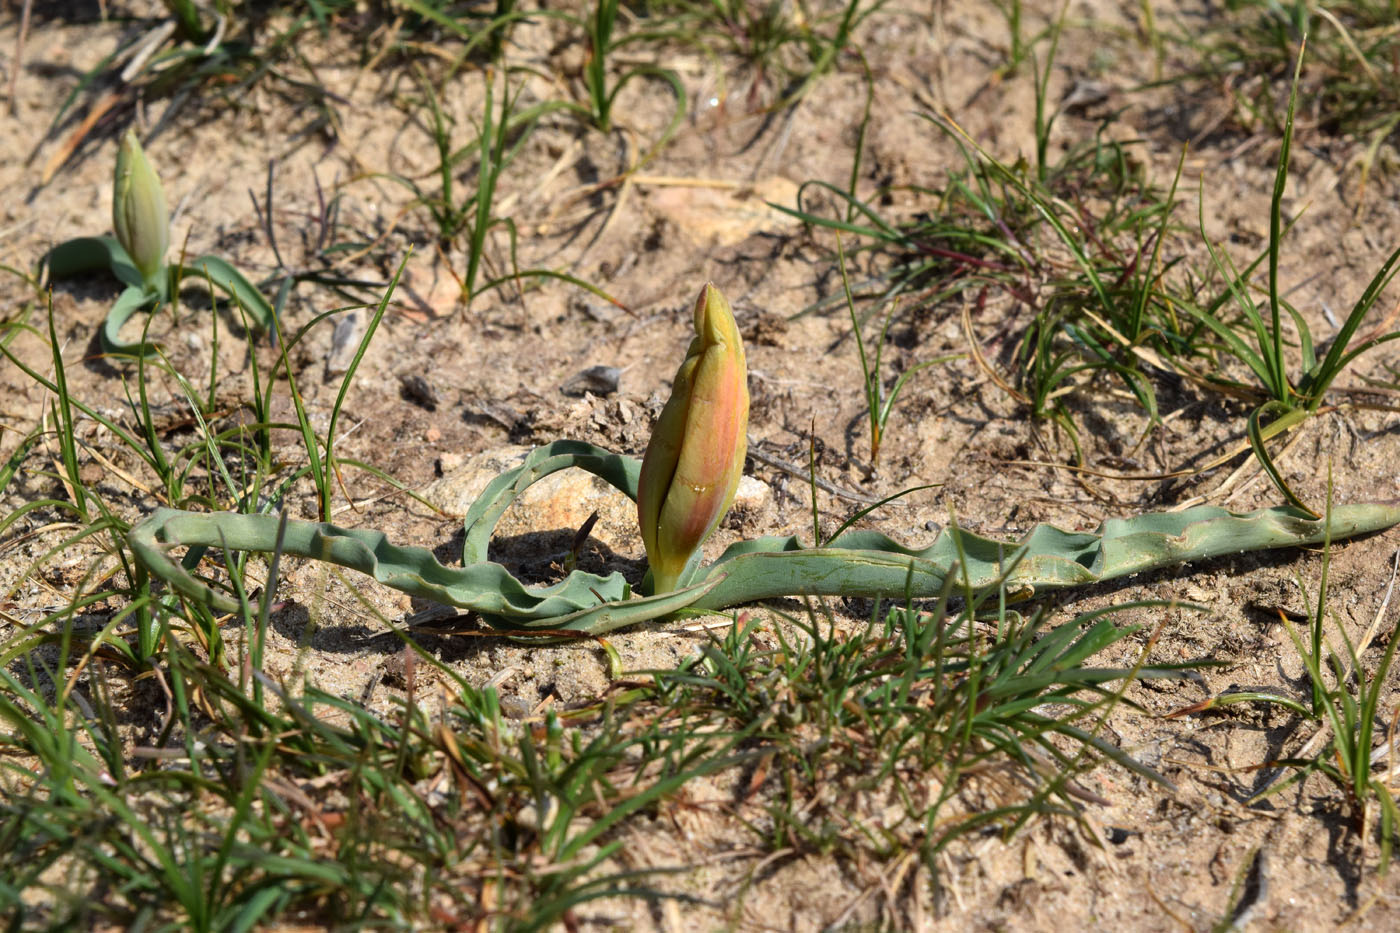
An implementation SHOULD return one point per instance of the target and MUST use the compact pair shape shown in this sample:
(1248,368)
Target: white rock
(560,500)
(753,494)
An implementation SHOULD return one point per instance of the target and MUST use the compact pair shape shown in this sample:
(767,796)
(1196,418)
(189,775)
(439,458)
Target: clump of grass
(1351,749)
(963,725)
(1078,245)
(505,126)
(1351,81)
(1074,243)
(786,48)
(502,131)
(1258,340)
(599,26)
(396,818)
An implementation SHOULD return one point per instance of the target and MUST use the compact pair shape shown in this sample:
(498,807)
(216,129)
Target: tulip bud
(696,455)
(138,211)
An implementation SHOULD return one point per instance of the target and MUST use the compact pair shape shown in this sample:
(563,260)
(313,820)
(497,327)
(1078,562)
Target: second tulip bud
(139,214)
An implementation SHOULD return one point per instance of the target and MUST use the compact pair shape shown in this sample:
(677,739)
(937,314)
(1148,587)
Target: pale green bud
(695,459)
(139,215)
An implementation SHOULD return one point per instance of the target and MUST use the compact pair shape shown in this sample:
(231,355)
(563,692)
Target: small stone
(465,479)
(450,462)
(414,388)
(753,494)
(345,339)
(432,435)
(602,380)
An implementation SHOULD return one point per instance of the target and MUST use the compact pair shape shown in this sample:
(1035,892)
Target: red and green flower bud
(695,458)
(138,211)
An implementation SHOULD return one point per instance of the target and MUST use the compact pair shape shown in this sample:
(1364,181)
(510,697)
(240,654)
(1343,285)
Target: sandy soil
(501,374)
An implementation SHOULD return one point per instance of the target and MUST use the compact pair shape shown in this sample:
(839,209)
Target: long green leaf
(858,563)
(92,254)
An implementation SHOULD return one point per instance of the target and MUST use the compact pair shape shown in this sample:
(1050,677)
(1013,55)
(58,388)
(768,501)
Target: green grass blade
(220,273)
(1258,436)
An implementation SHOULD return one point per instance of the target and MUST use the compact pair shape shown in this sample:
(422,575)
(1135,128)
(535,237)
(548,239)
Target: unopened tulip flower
(138,211)
(695,458)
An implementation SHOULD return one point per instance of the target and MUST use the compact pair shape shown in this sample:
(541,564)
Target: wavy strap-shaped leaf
(867,563)
(859,563)
(618,470)
(132,299)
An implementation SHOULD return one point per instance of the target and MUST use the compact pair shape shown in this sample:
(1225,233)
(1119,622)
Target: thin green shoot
(879,402)
(64,426)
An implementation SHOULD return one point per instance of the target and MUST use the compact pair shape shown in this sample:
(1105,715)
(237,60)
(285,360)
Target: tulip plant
(683,487)
(136,255)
